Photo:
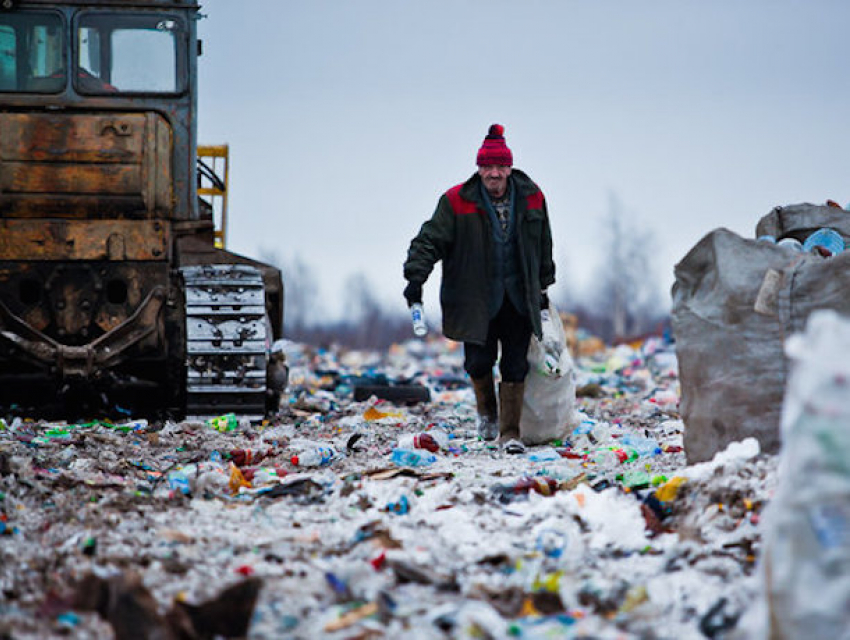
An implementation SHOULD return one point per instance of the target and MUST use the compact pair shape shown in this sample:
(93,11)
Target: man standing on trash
(492,234)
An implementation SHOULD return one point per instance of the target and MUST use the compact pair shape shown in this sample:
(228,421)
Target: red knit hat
(494,150)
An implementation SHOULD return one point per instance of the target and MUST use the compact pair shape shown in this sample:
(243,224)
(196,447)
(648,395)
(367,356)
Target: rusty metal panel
(112,138)
(85,165)
(42,177)
(83,239)
(163,193)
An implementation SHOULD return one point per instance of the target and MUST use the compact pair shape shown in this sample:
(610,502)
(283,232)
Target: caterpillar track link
(227,341)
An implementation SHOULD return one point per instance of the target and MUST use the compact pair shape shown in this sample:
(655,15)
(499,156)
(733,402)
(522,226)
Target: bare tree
(368,323)
(626,289)
(360,302)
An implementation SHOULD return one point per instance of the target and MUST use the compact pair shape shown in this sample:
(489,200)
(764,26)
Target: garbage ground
(605,534)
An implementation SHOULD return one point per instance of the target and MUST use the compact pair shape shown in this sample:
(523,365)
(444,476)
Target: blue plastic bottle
(644,447)
(412,458)
(544,454)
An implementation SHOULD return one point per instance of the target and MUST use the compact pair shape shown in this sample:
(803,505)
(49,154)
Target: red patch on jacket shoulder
(460,205)
(535,200)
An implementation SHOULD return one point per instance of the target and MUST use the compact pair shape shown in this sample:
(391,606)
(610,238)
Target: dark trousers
(512,330)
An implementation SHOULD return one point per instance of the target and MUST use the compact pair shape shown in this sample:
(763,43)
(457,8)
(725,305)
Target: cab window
(129,54)
(31,52)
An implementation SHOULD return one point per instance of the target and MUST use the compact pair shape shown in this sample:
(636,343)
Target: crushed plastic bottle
(264,475)
(224,423)
(412,458)
(610,457)
(601,432)
(133,425)
(824,242)
(644,447)
(431,441)
(400,508)
(636,480)
(178,480)
(545,486)
(544,454)
(317,456)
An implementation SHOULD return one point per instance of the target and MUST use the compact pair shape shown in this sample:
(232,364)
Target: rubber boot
(485,401)
(510,412)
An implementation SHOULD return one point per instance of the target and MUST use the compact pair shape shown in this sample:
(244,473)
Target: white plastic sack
(805,567)
(548,409)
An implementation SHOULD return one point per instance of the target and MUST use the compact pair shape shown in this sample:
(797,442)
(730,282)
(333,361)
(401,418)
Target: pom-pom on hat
(494,150)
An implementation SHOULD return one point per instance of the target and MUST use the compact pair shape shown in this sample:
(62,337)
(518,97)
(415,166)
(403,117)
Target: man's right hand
(413,293)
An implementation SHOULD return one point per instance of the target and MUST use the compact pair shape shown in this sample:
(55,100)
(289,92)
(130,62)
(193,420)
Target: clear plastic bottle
(318,456)
(601,432)
(412,458)
(608,458)
(644,447)
(544,454)
(431,441)
(264,475)
(417,316)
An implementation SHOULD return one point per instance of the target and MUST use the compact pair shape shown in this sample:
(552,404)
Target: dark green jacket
(460,235)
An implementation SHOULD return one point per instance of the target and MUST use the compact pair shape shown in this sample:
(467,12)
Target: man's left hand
(413,293)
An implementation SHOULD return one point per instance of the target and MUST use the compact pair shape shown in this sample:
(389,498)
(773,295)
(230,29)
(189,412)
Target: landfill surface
(606,533)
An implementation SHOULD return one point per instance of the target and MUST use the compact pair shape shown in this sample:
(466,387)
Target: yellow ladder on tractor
(214,185)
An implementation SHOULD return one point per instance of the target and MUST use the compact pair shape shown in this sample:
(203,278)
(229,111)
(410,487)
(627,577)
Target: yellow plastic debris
(237,480)
(668,491)
(550,582)
(349,618)
(373,414)
(528,609)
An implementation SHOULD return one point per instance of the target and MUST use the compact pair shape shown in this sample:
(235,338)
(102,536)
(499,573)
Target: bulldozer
(116,292)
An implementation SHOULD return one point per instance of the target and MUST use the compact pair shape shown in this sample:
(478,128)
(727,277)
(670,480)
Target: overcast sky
(346,120)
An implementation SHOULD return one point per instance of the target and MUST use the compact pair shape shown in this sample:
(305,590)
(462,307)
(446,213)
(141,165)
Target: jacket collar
(523,185)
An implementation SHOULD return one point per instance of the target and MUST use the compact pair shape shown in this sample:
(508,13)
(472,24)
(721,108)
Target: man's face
(495,177)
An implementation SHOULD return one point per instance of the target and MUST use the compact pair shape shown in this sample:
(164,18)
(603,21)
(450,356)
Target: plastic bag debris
(476,542)
(807,524)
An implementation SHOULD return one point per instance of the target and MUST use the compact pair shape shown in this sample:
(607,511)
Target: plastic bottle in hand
(315,457)
(417,316)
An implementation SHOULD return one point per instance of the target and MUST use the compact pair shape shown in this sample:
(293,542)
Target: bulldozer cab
(98,109)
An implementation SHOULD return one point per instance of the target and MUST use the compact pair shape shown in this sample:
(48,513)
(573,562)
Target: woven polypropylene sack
(735,301)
